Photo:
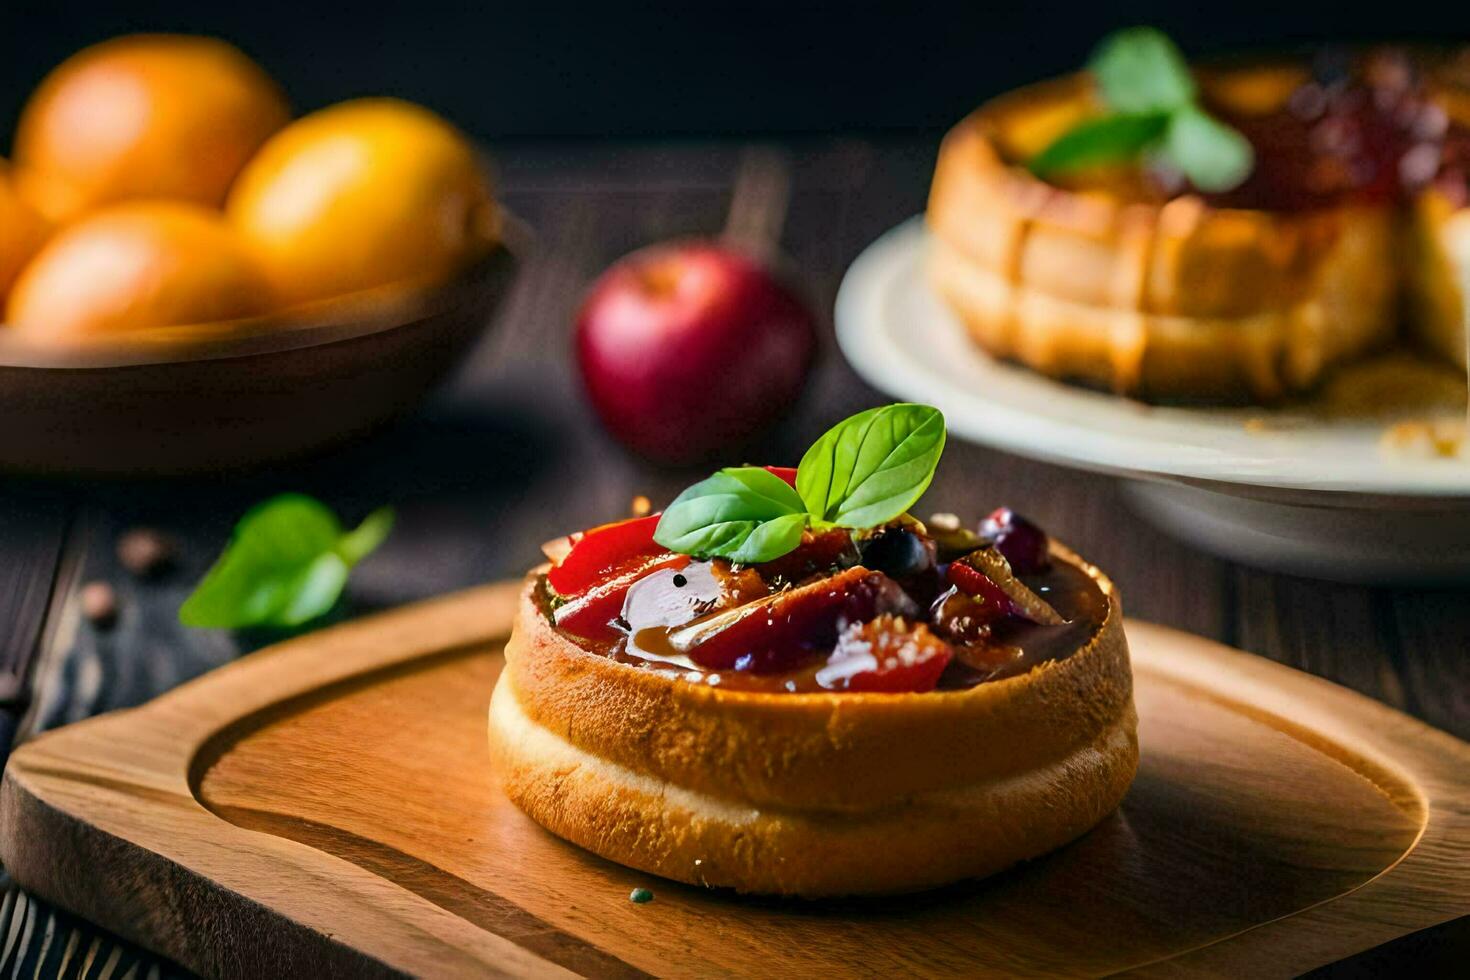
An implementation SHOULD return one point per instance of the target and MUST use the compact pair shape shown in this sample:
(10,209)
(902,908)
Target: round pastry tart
(1145,260)
(847,710)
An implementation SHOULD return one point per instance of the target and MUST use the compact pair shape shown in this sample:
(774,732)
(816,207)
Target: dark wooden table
(508,455)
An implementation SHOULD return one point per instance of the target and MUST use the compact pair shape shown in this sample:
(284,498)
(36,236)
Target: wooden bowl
(234,395)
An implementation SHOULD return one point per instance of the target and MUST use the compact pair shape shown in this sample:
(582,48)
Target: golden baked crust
(813,794)
(1435,257)
(1164,299)
(1437,272)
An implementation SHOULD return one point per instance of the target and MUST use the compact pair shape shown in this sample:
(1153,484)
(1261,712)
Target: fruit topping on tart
(885,606)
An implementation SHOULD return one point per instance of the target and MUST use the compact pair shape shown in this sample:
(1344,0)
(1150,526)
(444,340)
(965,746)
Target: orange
(363,194)
(136,265)
(146,116)
(22,230)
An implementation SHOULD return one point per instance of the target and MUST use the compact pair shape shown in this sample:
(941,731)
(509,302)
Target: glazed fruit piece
(597,554)
(593,614)
(788,629)
(1024,544)
(887,655)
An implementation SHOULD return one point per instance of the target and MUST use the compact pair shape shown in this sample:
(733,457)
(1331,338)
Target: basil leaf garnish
(772,539)
(745,514)
(872,467)
(1100,141)
(1153,111)
(286,564)
(864,472)
(363,540)
(1139,70)
(1212,155)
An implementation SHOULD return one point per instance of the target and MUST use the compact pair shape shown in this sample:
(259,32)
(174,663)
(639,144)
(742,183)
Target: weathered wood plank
(33,528)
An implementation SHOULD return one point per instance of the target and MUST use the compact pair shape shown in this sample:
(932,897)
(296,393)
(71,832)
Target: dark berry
(1022,543)
(897,552)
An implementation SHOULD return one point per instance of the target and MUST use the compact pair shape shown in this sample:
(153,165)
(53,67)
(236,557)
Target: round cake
(1128,277)
(871,713)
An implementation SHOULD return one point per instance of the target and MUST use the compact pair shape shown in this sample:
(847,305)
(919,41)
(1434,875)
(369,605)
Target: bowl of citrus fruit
(192,279)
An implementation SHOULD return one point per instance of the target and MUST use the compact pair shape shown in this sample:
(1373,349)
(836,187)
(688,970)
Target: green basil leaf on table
(362,541)
(285,565)
(1139,71)
(745,514)
(1101,141)
(872,467)
(1211,154)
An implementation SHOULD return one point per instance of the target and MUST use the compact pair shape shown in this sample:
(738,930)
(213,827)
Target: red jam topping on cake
(817,579)
(891,609)
(1359,129)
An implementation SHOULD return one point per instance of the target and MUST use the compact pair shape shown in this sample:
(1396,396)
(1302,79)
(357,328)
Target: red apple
(690,348)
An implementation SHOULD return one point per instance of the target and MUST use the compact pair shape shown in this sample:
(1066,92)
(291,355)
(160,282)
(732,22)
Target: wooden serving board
(328,805)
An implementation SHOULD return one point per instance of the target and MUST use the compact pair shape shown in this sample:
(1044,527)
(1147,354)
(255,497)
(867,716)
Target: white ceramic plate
(1248,483)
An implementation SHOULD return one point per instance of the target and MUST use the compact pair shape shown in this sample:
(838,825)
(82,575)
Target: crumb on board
(1434,437)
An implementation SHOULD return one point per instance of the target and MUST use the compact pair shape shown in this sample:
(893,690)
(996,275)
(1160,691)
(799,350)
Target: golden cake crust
(813,794)
(1156,298)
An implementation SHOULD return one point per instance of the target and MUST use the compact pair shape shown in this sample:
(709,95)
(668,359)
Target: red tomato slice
(973,582)
(591,614)
(781,632)
(907,678)
(603,552)
(787,473)
(886,656)
(818,553)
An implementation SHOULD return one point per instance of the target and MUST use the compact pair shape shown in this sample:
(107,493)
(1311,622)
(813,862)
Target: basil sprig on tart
(863,473)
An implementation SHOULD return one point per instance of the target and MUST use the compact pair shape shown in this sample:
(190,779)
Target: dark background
(532,69)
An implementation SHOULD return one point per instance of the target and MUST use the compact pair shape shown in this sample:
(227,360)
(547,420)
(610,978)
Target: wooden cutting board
(328,805)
